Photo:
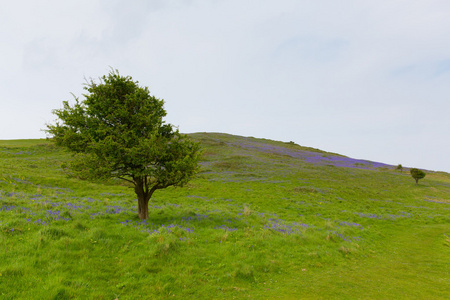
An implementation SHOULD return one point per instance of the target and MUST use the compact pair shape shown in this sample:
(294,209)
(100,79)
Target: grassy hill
(263,220)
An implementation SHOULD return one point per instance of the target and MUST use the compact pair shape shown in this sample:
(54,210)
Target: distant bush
(400,168)
(417,174)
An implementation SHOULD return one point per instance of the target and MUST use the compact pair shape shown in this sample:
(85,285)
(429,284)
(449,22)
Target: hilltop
(290,149)
(263,219)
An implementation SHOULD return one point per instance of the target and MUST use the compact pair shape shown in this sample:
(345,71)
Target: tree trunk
(142,208)
(144,194)
(417,180)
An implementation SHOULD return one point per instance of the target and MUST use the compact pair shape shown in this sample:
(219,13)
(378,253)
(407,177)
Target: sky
(366,79)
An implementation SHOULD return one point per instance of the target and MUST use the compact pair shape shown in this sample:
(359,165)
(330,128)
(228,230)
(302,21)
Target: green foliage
(400,168)
(118,131)
(417,174)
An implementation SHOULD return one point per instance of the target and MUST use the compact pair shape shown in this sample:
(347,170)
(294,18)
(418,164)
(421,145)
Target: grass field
(263,220)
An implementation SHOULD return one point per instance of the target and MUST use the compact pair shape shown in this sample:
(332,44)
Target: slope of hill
(263,219)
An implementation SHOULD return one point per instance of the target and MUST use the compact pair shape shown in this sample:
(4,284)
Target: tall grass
(263,219)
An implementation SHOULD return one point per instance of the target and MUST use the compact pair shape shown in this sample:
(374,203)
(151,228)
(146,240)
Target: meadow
(262,220)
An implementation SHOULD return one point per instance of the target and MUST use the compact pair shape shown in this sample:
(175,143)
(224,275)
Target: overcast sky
(366,79)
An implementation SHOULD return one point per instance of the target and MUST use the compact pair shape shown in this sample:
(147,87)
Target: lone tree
(417,174)
(400,168)
(118,132)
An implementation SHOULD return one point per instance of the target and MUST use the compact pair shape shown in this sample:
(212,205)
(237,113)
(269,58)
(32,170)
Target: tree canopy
(118,131)
(417,174)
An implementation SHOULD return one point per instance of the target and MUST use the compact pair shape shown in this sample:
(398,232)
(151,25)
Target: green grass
(263,220)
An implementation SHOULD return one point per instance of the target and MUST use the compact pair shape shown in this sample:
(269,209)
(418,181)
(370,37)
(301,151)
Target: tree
(400,167)
(417,174)
(118,132)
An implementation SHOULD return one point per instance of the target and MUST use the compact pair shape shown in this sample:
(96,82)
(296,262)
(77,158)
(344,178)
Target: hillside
(263,219)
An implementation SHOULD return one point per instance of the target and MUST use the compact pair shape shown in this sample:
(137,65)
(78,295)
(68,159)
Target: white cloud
(366,79)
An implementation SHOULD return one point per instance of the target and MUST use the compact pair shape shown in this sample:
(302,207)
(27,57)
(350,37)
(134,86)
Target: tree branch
(146,184)
(127,180)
